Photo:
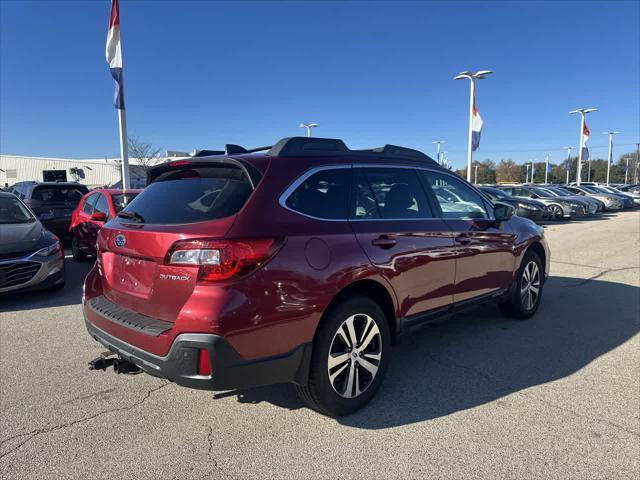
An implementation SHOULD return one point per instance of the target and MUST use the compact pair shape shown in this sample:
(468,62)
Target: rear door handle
(384,241)
(463,239)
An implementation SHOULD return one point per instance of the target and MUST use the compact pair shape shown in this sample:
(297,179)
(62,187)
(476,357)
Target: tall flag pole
(114,59)
(568,162)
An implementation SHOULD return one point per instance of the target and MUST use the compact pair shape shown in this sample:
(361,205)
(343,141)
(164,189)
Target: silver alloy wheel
(354,355)
(530,286)
(556,212)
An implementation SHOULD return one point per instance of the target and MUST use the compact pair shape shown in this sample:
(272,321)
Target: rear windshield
(58,193)
(121,200)
(192,195)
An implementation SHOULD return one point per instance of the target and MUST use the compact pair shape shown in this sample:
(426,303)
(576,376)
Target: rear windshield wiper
(132,216)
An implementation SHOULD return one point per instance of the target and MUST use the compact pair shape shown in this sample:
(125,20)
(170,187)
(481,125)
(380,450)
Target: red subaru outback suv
(300,264)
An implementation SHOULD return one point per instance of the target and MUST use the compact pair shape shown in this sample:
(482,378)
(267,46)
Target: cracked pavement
(478,396)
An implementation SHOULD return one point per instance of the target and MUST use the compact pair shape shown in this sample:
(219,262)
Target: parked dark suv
(302,264)
(52,202)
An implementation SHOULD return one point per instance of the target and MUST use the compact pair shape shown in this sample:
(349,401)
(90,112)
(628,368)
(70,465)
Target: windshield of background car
(494,192)
(121,200)
(590,189)
(541,192)
(58,193)
(13,211)
(193,195)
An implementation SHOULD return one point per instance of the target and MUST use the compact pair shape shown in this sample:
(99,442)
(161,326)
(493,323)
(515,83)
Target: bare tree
(507,171)
(145,153)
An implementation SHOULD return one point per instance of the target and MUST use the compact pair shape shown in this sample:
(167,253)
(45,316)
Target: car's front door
(396,227)
(485,258)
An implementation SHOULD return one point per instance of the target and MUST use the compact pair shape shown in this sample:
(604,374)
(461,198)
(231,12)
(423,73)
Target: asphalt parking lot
(479,396)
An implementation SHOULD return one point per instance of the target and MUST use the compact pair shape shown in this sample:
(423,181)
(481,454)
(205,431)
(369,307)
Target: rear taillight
(223,259)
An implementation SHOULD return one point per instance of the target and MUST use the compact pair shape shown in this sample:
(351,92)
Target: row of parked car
(553,202)
(301,262)
(36,217)
(69,211)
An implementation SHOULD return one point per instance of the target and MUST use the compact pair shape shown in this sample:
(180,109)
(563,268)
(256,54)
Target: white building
(90,172)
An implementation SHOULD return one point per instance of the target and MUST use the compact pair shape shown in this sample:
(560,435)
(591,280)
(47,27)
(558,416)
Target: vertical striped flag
(585,137)
(114,54)
(476,128)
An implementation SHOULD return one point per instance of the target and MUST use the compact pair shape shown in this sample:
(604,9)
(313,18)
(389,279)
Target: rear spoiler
(252,173)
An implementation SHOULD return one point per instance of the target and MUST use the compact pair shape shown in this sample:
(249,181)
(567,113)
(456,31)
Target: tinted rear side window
(193,195)
(121,200)
(58,193)
(396,191)
(324,194)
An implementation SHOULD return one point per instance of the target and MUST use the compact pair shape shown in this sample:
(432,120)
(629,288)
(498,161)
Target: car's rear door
(396,227)
(81,218)
(485,257)
(92,227)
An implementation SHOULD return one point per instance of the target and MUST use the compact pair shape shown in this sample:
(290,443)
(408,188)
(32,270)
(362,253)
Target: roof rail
(324,147)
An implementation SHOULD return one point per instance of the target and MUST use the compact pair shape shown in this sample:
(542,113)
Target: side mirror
(98,217)
(503,212)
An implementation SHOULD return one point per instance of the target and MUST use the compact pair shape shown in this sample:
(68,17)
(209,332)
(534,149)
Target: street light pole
(479,75)
(626,172)
(546,169)
(568,165)
(610,157)
(582,112)
(308,126)
(527,177)
(533,171)
(475,181)
(438,143)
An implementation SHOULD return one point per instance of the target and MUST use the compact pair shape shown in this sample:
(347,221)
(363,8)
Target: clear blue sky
(200,74)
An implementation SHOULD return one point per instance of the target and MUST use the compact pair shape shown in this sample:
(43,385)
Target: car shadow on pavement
(71,294)
(479,356)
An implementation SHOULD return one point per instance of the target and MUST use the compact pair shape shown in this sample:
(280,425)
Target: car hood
(20,237)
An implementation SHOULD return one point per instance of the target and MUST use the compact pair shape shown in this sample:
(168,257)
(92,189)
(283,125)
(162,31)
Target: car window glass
(13,211)
(102,205)
(121,200)
(324,194)
(58,193)
(397,193)
(89,202)
(456,199)
(365,205)
(193,194)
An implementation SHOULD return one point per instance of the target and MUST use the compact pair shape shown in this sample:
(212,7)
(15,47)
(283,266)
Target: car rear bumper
(229,369)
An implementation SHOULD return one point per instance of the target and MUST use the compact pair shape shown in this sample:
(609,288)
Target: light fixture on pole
(479,75)
(568,165)
(308,126)
(438,143)
(582,112)
(609,158)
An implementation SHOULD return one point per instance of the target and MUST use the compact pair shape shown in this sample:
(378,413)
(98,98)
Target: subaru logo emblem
(120,240)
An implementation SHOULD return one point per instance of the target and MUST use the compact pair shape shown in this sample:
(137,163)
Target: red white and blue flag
(114,54)
(585,137)
(476,128)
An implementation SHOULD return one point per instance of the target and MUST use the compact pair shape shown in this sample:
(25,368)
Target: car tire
(523,300)
(78,255)
(556,212)
(343,379)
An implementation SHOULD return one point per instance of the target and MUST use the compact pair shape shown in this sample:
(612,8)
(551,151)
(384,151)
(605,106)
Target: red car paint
(84,227)
(418,265)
